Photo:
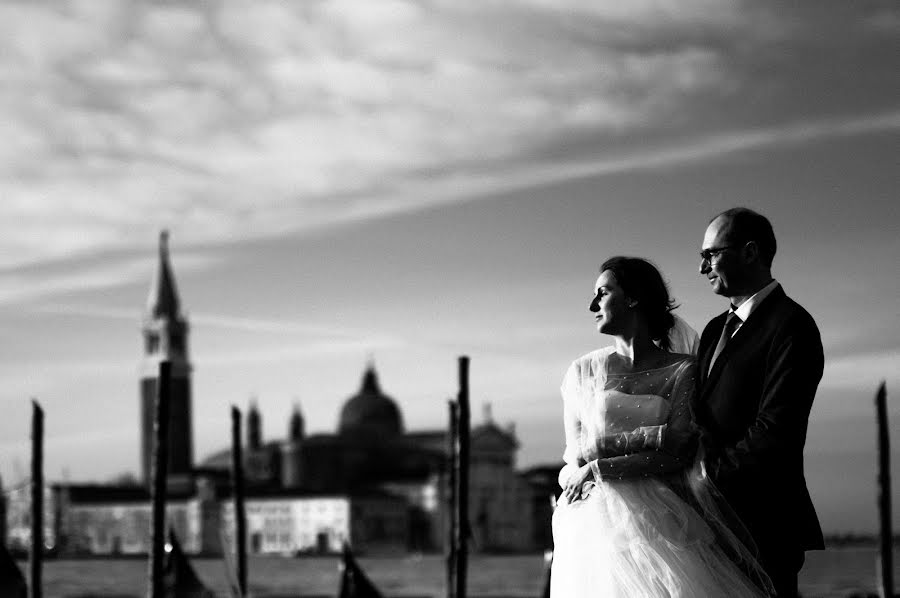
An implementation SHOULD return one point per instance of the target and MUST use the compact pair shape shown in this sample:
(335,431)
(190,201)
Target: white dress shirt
(749,306)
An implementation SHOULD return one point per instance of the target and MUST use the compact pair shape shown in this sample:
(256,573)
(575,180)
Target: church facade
(371,482)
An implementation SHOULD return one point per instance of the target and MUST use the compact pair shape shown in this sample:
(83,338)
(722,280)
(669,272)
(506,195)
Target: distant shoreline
(855,539)
(832,573)
(832,542)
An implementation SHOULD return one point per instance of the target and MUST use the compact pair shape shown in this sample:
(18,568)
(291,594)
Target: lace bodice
(627,425)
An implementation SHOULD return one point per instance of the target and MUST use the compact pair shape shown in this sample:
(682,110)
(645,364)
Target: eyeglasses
(709,255)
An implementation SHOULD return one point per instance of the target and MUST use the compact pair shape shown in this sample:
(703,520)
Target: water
(833,573)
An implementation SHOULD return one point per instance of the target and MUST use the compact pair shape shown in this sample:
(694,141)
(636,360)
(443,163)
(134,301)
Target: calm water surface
(829,574)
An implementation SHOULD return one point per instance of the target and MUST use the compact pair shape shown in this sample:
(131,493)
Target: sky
(411,181)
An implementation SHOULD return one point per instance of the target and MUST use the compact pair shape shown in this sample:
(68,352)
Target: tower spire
(163,299)
(165,332)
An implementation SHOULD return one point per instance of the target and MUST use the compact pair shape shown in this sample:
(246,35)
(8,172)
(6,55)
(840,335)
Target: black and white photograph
(448,299)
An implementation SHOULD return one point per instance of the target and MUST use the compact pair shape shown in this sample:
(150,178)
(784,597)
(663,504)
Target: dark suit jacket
(752,410)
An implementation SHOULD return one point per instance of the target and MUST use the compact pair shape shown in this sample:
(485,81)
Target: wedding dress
(637,530)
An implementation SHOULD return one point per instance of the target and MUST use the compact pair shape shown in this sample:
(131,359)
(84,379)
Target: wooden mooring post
(452,470)
(159,466)
(886,561)
(462,481)
(240,517)
(36,554)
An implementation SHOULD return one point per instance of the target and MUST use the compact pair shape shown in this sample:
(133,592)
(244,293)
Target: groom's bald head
(736,255)
(742,225)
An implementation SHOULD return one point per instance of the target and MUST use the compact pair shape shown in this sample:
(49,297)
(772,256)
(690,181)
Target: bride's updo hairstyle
(642,282)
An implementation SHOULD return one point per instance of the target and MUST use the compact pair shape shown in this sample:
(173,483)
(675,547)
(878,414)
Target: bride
(635,520)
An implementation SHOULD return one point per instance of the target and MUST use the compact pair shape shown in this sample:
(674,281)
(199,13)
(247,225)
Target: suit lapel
(707,350)
(747,330)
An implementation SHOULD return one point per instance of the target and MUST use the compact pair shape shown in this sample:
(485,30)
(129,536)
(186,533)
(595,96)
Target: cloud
(238,120)
(647,12)
(223,118)
(884,22)
(317,340)
(34,284)
(862,372)
(299,351)
(480,183)
(685,151)
(225,322)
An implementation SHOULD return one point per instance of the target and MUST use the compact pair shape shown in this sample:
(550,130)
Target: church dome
(370,411)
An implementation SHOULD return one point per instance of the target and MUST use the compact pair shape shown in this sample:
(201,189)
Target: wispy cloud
(862,372)
(291,353)
(685,151)
(241,119)
(18,286)
(226,322)
(235,120)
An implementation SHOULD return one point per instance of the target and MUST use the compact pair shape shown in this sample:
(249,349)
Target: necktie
(731,323)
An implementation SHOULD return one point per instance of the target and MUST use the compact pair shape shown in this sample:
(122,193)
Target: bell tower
(165,332)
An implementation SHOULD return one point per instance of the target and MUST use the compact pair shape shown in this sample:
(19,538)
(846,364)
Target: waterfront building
(17,521)
(371,482)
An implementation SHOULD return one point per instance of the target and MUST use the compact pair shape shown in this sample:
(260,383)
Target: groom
(760,364)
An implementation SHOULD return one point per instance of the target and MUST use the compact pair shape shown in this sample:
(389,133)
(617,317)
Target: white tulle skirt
(638,539)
